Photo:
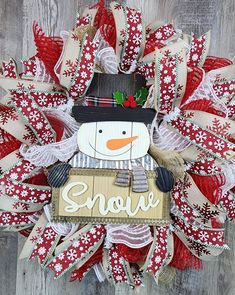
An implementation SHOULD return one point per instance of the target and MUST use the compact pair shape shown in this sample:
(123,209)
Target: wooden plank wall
(16,40)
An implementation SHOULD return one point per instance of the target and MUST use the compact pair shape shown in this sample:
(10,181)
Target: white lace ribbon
(46,155)
(133,236)
(229,173)
(106,57)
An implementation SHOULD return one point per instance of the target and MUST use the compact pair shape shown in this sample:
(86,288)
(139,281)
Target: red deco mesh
(194,78)
(8,143)
(104,21)
(77,274)
(209,185)
(48,49)
(183,258)
(133,255)
(213,62)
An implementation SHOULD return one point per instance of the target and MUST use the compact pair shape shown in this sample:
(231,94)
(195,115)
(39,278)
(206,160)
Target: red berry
(133,104)
(126,104)
(130,98)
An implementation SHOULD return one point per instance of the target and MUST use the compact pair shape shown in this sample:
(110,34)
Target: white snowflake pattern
(119,278)
(41,250)
(195,57)
(117,269)
(34,116)
(219,144)
(24,193)
(58,267)
(24,103)
(6,218)
(158,35)
(71,254)
(76,244)
(61,256)
(14,175)
(39,125)
(185,209)
(168,30)
(10,189)
(46,135)
(43,197)
(49,234)
(201,136)
(203,236)
(134,18)
(158,259)
(137,38)
(86,239)
(83,75)
(114,255)
(88,56)
(42,100)
(40,241)
(167,79)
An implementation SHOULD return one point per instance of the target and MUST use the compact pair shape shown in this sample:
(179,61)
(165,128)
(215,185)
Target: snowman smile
(113,155)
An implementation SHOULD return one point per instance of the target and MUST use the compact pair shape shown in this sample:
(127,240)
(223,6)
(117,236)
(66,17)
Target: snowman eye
(123,132)
(100,131)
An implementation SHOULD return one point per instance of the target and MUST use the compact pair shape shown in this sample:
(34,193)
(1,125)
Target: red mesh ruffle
(183,258)
(214,62)
(48,49)
(209,185)
(57,126)
(8,143)
(104,21)
(194,78)
(78,274)
(133,255)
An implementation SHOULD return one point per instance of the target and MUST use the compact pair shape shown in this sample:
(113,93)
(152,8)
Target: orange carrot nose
(117,143)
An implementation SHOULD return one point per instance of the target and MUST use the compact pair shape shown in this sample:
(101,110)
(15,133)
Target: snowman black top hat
(103,85)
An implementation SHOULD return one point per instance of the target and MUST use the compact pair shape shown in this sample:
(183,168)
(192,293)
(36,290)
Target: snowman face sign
(114,140)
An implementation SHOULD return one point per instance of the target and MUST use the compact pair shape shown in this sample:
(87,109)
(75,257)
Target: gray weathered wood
(16,40)
(32,280)
(8,262)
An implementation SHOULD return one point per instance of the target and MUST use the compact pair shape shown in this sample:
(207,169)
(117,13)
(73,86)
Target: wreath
(192,140)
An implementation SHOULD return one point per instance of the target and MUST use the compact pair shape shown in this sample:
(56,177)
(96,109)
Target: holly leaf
(141,96)
(119,97)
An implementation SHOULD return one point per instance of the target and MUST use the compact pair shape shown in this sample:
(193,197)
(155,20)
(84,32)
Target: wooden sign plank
(90,196)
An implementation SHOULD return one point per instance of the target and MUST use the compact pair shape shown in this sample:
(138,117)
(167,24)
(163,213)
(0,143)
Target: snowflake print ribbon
(158,37)
(78,250)
(19,171)
(15,219)
(84,68)
(198,50)
(28,193)
(129,28)
(36,120)
(133,38)
(45,245)
(158,251)
(203,137)
(34,236)
(198,248)
(116,267)
(227,201)
(208,236)
(9,69)
(170,77)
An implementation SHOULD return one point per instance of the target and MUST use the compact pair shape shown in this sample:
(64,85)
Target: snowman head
(126,137)
(114,140)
